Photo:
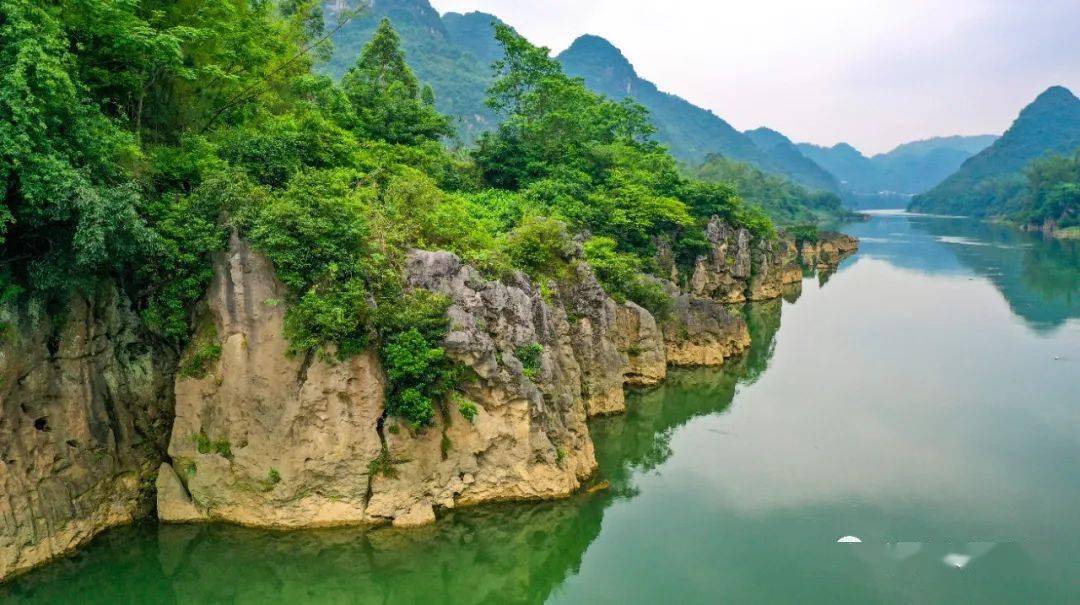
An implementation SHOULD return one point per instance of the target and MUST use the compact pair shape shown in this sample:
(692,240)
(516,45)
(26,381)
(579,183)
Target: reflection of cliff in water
(515,553)
(640,439)
(1039,277)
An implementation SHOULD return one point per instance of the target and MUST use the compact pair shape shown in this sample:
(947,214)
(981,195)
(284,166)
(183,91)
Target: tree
(387,99)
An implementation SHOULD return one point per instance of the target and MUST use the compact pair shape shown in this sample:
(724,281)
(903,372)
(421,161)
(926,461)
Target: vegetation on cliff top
(136,136)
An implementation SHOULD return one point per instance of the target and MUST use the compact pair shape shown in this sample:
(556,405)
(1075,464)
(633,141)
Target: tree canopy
(135,136)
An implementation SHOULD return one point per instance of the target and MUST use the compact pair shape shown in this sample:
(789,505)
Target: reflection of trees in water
(500,554)
(1038,276)
(514,553)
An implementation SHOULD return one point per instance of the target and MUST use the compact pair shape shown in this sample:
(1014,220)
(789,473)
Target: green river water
(926,399)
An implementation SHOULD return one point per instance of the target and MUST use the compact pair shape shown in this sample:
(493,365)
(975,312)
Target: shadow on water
(1038,276)
(513,553)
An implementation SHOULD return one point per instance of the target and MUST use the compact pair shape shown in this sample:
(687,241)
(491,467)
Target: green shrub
(541,247)
(203,351)
(199,360)
(622,277)
(421,374)
(205,445)
(382,465)
(804,233)
(529,356)
(467,408)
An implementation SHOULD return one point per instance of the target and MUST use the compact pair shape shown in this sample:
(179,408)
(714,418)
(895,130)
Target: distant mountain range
(909,169)
(987,182)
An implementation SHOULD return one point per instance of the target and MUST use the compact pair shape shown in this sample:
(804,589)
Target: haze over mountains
(908,169)
(453,53)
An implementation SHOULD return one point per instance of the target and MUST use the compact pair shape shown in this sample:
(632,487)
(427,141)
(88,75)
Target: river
(924,399)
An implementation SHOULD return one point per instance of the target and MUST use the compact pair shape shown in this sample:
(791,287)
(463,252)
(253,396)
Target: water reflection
(518,553)
(1038,276)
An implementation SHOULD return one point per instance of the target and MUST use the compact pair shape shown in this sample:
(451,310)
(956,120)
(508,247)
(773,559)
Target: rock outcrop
(722,274)
(701,332)
(642,341)
(827,252)
(85,412)
(740,267)
(262,438)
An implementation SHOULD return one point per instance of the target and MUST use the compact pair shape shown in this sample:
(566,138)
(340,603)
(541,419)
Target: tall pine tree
(389,102)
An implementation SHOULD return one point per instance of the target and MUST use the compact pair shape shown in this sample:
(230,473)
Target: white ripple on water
(963,241)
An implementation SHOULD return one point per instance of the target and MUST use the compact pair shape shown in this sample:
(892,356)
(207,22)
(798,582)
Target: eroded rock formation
(85,412)
(271,440)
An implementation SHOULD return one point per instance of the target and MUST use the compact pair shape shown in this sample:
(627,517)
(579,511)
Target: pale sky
(874,73)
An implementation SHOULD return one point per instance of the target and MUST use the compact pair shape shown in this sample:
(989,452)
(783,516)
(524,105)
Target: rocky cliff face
(85,412)
(701,332)
(265,439)
(740,267)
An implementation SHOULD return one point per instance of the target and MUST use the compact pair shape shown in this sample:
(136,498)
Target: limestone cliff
(85,411)
(740,267)
(701,332)
(266,439)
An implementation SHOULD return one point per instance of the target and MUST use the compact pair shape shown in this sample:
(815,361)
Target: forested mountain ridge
(784,200)
(690,132)
(797,166)
(983,186)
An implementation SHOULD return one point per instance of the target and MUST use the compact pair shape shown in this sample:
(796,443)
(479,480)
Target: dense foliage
(136,137)
(453,54)
(1045,196)
(785,201)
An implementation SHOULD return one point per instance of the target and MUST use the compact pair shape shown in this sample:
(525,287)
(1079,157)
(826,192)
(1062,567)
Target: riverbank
(236,429)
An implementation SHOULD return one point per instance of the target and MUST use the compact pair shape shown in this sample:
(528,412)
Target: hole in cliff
(53,344)
(42,424)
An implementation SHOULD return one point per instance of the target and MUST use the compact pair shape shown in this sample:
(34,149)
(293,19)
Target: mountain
(690,132)
(964,144)
(910,168)
(459,72)
(854,170)
(920,165)
(984,184)
(797,166)
(473,32)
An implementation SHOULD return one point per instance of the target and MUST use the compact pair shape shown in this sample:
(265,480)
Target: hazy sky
(874,73)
